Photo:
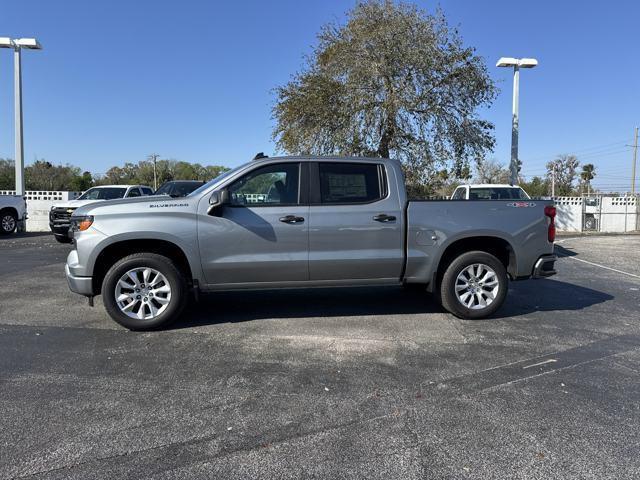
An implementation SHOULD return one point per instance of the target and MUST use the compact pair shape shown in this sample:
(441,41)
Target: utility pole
(154,157)
(633,165)
(553,181)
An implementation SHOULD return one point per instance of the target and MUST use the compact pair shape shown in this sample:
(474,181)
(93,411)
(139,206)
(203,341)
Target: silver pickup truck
(304,222)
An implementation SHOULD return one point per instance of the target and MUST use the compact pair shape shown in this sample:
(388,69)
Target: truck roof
(118,186)
(489,185)
(333,158)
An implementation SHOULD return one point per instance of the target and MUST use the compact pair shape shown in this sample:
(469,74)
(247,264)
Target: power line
(581,150)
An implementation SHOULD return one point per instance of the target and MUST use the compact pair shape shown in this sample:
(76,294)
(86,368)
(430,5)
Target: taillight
(550,211)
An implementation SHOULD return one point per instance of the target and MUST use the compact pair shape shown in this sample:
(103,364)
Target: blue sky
(192,80)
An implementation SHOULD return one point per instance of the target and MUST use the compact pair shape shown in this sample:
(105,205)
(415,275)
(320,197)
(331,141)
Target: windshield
(216,180)
(178,189)
(165,189)
(102,193)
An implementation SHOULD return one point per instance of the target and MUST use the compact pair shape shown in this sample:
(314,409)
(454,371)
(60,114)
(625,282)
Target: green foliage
(565,167)
(536,187)
(166,170)
(7,174)
(82,182)
(42,175)
(393,81)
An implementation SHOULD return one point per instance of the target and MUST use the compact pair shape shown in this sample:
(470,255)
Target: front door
(261,236)
(355,224)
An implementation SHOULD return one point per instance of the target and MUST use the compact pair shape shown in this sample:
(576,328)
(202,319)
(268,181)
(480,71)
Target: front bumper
(60,229)
(60,220)
(81,285)
(544,266)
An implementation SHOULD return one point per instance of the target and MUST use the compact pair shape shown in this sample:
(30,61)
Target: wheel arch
(499,247)
(13,210)
(120,249)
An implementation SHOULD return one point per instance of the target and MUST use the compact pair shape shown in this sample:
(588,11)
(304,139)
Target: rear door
(262,236)
(355,223)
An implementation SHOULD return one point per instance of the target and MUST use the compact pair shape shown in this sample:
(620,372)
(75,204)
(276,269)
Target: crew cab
(13,213)
(304,222)
(60,214)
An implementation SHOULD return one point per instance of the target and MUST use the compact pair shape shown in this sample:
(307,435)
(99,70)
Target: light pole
(154,157)
(17,45)
(517,64)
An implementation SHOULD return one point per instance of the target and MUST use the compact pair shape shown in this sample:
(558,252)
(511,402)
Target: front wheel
(144,291)
(474,285)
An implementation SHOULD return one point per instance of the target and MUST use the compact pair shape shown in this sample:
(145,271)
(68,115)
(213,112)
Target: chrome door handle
(383,217)
(291,219)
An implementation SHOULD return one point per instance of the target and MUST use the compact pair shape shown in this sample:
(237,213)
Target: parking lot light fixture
(18,44)
(516,64)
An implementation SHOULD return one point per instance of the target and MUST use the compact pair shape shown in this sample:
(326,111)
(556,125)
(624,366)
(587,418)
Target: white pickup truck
(13,213)
(60,214)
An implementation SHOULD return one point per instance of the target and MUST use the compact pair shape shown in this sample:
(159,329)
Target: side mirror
(218,199)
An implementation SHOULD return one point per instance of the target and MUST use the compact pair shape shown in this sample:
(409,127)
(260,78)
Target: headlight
(80,224)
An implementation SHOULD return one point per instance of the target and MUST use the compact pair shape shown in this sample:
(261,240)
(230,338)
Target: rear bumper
(544,266)
(81,285)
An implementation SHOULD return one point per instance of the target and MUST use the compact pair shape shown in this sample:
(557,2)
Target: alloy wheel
(477,286)
(142,293)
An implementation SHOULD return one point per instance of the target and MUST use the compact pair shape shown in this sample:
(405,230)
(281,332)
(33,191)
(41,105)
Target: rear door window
(351,182)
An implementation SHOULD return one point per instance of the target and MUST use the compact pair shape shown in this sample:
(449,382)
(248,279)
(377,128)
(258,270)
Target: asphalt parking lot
(348,383)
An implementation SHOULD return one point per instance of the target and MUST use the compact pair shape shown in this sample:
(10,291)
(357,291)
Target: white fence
(598,213)
(39,204)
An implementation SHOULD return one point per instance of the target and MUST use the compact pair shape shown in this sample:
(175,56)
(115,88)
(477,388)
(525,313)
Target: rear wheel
(474,285)
(8,222)
(144,291)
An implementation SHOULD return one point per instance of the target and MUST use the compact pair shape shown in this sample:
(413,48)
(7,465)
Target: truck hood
(124,204)
(75,203)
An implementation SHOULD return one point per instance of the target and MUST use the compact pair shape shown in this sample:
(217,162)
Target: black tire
(448,296)
(8,222)
(175,278)
(62,238)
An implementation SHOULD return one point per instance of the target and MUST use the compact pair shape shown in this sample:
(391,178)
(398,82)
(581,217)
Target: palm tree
(587,174)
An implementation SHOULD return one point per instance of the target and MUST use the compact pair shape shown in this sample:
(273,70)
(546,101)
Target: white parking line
(603,266)
(551,360)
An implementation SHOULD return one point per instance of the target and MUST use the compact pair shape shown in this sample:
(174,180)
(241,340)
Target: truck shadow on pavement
(232,307)
(529,296)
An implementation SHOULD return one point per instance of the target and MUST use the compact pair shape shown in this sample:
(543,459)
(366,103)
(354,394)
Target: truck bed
(435,227)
